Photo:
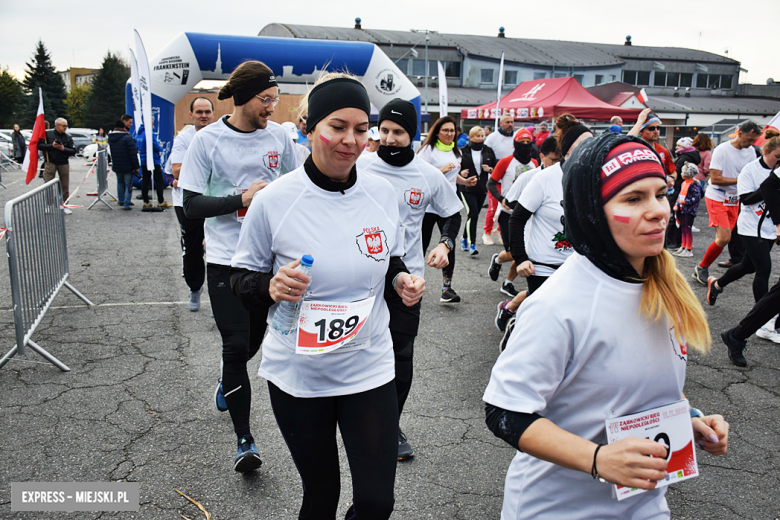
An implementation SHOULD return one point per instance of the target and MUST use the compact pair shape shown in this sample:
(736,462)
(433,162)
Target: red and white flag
(30,163)
(642,96)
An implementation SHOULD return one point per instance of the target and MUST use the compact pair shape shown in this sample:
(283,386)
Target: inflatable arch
(192,57)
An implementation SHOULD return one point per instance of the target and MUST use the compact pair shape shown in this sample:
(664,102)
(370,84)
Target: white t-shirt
(730,161)
(476,157)
(513,172)
(302,153)
(437,159)
(418,187)
(181,142)
(502,145)
(293,217)
(545,235)
(221,161)
(519,185)
(581,353)
(749,180)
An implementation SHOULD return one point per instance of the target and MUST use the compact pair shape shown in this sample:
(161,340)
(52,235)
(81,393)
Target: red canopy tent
(546,98)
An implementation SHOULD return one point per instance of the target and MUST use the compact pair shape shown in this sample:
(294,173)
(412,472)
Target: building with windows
(74,77)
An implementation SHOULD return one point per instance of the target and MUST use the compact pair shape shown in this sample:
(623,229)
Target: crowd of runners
(589,221)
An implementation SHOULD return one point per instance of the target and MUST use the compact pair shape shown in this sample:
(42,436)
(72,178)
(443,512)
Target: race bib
(240,214)
(732,199)
(326,326)
(670,424)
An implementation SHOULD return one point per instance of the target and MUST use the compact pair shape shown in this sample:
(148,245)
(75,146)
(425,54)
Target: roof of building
(716,105)
(518,50)
(615,93)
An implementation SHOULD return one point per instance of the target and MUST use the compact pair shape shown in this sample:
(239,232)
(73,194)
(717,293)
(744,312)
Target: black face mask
(476,146)
(396,156)
(523,152)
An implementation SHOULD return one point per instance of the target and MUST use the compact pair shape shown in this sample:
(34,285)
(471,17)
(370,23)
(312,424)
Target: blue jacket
(124,154)
(140,142)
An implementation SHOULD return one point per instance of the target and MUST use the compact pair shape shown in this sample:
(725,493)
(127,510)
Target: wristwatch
(695,412)
(448,242)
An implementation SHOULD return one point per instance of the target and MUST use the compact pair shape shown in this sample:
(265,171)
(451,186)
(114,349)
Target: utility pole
(427,34)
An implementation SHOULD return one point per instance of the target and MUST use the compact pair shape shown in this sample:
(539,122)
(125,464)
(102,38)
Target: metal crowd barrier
(101,170)
(38,262)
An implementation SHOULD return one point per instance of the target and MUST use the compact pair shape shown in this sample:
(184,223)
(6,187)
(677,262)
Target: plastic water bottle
(286,315)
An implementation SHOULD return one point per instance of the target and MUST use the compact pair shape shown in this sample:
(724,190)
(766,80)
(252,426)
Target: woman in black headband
(336,368)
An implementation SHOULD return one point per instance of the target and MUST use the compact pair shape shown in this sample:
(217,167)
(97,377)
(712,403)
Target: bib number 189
(336,329)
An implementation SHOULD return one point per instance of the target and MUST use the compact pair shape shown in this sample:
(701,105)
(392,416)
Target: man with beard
(502,144)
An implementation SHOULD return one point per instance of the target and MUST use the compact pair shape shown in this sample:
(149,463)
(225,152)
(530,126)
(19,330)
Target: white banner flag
(135,87)
(145,84)
(498,93)
(442,91)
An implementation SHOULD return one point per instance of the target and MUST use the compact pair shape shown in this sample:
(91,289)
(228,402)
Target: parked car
(6,146)
(82,137)
(90,151)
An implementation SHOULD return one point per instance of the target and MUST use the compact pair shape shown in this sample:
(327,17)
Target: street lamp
(427,33)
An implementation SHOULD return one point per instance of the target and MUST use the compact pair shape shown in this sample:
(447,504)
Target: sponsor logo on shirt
(372,242)
(414,197)
(680,349)
(271,160)
(627,158)
(561,243)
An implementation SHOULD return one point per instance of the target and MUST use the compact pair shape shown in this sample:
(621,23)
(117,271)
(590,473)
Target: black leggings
(534,282)
(192,249)
(756,260)
(429,220)
(403,349)
(368,422)
(159,183)
(473,203)
(242,333)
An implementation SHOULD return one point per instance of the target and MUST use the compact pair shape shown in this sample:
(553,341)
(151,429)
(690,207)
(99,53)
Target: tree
(75,104)
(105,102)
(11,95)
(41,73)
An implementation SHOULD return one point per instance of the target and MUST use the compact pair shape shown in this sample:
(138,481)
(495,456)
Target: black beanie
(402,112)
(335,94)
(587,228)
(572,135)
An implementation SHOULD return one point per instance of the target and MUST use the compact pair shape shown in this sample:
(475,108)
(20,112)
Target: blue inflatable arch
(192,57)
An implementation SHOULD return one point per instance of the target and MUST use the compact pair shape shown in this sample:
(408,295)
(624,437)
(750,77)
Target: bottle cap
(307,260)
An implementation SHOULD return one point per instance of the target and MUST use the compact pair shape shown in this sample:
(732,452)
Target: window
(579,78)
(560,74)
(714,81)
(643,78)
(540,75)
(686,79)
(612,77)
(486,76)
(638,77)
(418,67)
(701,81)
(599,79)
(660,79)
(510,77)
(672,79)
(725,81)
(403,65)
(629,76)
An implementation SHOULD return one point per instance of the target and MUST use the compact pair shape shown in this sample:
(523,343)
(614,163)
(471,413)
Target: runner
(439,150)
(225,165)
(502,144)
(201,115)
(721,196)
(351,388)
(477,160)
(756,230)
(507,171)
(569,367)
(418,187)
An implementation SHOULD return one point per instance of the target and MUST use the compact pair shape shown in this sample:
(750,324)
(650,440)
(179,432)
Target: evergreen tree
(11,95)
(75,104)
(41,73)
(105,102)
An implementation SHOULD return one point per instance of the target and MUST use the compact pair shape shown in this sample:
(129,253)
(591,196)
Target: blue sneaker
(194,302)
(219,398)
(473,250)
(248,459)
(464,244)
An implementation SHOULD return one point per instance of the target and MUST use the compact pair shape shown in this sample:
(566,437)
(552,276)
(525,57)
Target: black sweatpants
(242,333)
(368,422)
(473,203)
(736,247)
(192,249)
(763,311)
(159,183)
(429,220)
(755,260)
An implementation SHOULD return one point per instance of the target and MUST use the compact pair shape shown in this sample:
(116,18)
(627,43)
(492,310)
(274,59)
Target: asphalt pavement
(137,404)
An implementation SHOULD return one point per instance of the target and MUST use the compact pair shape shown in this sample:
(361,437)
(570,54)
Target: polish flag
(774,124)
(39,132)
(642,96)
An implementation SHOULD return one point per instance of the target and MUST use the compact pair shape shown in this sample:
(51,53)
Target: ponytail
(667,294)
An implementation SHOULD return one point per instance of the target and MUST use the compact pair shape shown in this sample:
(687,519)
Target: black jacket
(467,163)
(124,154)
(54,155)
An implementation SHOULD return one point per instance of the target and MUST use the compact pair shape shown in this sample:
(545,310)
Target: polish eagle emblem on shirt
(372,242)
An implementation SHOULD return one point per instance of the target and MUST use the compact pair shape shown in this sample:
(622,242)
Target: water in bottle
(286,316)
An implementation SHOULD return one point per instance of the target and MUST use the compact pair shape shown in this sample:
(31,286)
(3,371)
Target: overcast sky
(79,34)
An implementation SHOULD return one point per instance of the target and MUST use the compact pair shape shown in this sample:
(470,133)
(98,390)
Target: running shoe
(248,459)
(494,268)
(219,398)
(768,332)
(473,250)
(148,205)
(508,288)
(449,296)
(677,251)
(67,211)
(701,274)
(165,204)
(694,229)
(685,253)
(712,290)
(487,239)
(503,315)
(735,348)
(464,244)
(498,238)
(510,326)
(194,302)
(405,452)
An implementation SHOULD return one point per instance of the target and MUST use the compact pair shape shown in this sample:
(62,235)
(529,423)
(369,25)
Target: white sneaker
(677,251)
(767,333)
(694,229)
(487,239)
(67,211)
(498,238)
(685,253)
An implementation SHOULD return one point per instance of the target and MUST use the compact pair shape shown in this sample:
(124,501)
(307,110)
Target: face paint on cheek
(325,138)
(621,215)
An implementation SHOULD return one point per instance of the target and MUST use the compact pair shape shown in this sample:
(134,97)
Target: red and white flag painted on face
(773,124)
(642,96)
(623,216)
(30,164)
